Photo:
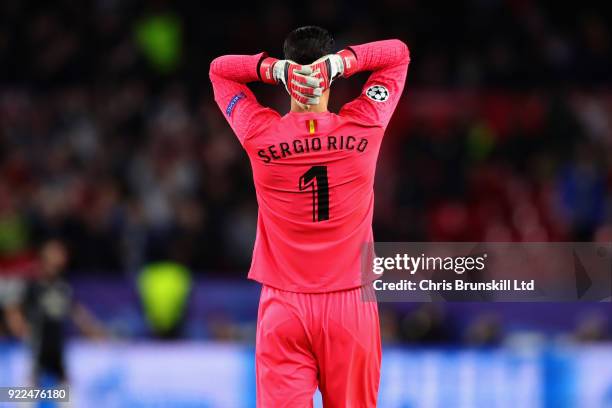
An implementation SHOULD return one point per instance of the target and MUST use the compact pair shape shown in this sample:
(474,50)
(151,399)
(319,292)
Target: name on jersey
(311,144)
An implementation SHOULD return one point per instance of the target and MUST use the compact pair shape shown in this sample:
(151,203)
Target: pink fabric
(229,75)
(302,244)
(237,68)
(389,61)
(329,340)
(381,54)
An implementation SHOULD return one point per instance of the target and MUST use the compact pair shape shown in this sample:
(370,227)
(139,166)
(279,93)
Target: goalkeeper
(317,320)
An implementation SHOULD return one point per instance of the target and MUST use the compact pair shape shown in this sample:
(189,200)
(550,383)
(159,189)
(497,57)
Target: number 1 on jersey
(316,179)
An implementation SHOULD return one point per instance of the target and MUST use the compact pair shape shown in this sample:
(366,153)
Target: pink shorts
(304,340)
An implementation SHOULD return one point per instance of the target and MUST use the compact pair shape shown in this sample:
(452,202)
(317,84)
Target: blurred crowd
(110,139)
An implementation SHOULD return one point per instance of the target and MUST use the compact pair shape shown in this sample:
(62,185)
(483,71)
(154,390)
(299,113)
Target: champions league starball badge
(378,93)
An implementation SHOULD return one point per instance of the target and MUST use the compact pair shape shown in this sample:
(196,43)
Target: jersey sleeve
(229,75)
(388,60)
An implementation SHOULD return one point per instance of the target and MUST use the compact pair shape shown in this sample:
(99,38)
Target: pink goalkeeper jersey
(313,172)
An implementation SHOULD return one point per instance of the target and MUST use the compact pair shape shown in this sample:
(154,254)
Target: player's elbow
(402,50)
(212,69)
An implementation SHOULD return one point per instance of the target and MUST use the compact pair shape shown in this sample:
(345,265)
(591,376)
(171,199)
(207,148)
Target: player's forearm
(378,55)
(238,68)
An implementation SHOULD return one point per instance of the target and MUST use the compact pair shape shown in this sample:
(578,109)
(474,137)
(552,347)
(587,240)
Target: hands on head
(306,83)
(300,81)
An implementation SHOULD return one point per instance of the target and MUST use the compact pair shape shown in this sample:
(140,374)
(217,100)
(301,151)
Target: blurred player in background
(314,176)
(40,318)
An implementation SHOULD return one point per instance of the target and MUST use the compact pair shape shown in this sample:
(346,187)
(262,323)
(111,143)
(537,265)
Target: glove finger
(319,68)
(306,90)
(311,81)
(304,70)
(324,81)
(308,100)
(299,98)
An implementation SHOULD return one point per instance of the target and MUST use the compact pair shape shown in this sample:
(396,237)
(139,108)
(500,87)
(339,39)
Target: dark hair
(307,44)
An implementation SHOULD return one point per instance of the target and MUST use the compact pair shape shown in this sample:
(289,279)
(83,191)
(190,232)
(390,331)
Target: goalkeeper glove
(332,66)
(297,79)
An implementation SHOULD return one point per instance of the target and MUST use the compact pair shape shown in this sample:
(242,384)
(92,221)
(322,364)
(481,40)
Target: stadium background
(110,141)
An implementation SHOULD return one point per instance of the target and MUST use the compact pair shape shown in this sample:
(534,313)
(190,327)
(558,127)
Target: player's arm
(16,309)
(16,322)
(388,61)
(229,75)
